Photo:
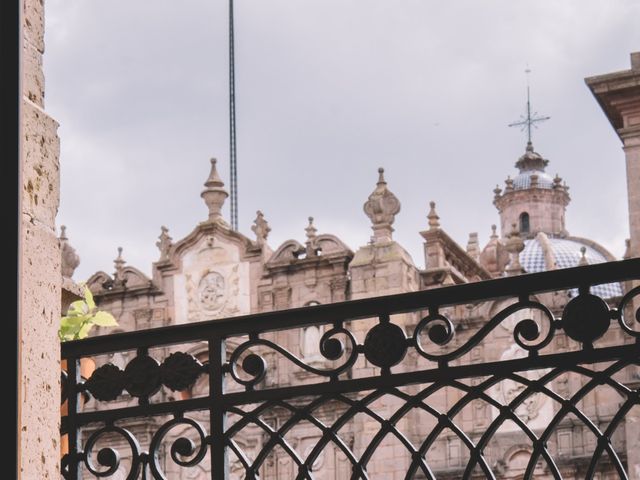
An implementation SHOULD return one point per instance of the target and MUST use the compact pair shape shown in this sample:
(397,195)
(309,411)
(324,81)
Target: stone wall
(39,394)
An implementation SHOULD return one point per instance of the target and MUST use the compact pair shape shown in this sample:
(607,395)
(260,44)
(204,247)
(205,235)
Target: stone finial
(534,180)
(497,191)
(214,194)
(514,246)
(382,207)
(509,184)
(494,233)
(583,256)
(69,258)
(164,243)
(473,246)
(557,181)
(432,216)
(118,276)
(261,228)
(310,231)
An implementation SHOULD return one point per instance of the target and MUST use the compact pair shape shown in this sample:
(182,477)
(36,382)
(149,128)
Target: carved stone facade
(215,272)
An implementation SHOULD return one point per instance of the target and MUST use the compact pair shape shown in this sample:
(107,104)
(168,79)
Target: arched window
(524,222)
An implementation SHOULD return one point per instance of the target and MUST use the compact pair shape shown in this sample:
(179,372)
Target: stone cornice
(455,255)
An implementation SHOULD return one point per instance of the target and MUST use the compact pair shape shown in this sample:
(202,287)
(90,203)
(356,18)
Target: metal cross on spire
(532,118)
(232,124)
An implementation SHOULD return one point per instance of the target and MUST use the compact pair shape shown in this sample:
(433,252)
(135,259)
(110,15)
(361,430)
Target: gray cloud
(327,92)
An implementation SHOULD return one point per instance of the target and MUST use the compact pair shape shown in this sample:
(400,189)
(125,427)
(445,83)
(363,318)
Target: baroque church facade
(216,272)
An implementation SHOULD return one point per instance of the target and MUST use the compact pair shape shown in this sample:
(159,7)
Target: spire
(69,258)
(382,207)
(214,194)
(433,217)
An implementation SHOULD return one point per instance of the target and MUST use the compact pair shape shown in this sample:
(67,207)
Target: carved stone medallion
(211,292)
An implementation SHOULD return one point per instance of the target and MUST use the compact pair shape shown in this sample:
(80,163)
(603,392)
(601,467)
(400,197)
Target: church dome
(543,253)
(526,179)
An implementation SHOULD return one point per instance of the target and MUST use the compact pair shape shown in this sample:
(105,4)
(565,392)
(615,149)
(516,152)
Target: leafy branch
(81,317)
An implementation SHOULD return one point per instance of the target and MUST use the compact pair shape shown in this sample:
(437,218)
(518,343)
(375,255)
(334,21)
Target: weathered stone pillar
(631,139)
(618,94)
(39,255)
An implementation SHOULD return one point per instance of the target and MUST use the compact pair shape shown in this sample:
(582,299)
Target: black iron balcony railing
(379,380)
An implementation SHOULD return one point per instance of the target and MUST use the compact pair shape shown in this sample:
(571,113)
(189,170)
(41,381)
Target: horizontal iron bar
(167,408)
(441,375)
(629,352)
(562,279)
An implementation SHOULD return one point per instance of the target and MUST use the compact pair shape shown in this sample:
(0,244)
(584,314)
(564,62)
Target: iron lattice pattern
(512,378)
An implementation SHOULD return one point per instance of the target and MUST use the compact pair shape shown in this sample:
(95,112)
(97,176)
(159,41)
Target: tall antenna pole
(232,124)
(527,71)
(532,118)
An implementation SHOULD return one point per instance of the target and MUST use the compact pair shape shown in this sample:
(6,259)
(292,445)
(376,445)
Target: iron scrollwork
(255,365)
(504,389)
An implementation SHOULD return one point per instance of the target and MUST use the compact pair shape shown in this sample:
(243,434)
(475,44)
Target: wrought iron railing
(524,357)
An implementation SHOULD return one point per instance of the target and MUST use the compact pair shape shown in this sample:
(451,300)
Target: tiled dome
(523,180)
(566,253)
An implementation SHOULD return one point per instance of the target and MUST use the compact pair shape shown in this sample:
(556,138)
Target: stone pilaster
(40,275)
(618,94)
(631,141)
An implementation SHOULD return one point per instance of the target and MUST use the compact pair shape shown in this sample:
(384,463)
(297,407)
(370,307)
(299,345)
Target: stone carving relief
(508,390)
(212,294)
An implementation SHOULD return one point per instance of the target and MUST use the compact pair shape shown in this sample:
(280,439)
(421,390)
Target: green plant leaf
(88,298)
(84,330)
(79,307)
(73,321)
(104,319)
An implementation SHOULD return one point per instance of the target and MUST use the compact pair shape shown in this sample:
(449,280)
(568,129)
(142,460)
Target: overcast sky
(328,91)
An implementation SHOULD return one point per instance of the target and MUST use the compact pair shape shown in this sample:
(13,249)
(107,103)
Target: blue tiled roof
(523,180)
(567,254)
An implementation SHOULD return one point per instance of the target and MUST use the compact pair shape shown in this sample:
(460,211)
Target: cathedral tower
(533,201)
